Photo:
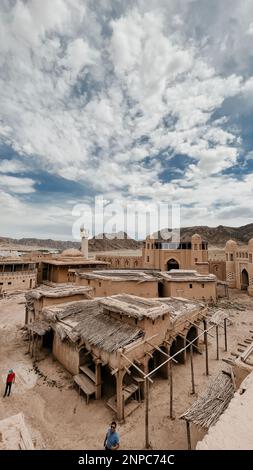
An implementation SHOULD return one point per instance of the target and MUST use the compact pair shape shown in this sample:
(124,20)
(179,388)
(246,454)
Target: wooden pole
(192,371)
(171,392)
(206,346)
(217,341)
(225,334)
(188,435)
(146,414)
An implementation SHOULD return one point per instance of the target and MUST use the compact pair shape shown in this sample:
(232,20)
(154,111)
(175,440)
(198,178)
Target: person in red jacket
(9,381)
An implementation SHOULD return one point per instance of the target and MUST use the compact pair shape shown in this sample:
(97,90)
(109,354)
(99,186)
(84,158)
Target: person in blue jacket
(111,441)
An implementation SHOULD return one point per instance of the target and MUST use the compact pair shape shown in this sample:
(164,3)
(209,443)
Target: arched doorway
(245,280)
(176,346)
(172,264)
(191,335)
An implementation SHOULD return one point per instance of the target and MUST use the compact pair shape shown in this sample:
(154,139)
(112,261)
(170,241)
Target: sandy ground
(59,419)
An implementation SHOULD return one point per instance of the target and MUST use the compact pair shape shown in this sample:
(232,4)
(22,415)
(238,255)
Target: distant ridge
(216,236)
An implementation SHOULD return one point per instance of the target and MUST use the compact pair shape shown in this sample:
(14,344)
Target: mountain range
(216,236)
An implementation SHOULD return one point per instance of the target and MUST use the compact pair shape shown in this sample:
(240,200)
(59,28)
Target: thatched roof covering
(180,308)
(133,306)
(85,322)
(206,411)
(118,275)
(39,327)
(64,290)
(218,317)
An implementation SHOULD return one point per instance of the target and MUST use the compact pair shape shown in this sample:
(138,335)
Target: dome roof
(71,252)
(250,242)
(196,236)
(231,244)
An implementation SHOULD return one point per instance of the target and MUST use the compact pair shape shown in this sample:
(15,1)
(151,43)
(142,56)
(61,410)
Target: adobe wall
(39,304)
(183,289)
(218,267)
(108,287)
(66,354)
(122,262)
(19,280)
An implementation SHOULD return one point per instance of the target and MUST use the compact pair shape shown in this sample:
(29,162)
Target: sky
(139,103)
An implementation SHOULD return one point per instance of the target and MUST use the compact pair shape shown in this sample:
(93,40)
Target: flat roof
(183,275)
(16,261)
(117,275)
(57,292)
(74,262)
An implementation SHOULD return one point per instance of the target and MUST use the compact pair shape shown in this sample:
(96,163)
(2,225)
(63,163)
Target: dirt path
(59,419)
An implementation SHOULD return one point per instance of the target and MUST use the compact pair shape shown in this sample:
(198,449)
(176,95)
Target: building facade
(16,274)
(239,265)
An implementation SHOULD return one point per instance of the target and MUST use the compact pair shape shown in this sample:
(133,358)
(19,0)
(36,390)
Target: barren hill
(216,236)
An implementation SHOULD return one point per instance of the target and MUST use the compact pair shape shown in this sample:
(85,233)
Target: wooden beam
(136,345)
(192,371)
(225,334)
(161,351)
(136,367)
(217,342)
(171,391)
(147,445)
(201,329)
(233,378)
(188,431)
(206,346)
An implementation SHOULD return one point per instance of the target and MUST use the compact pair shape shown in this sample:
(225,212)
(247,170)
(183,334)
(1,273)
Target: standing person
(9,381)
(111,441)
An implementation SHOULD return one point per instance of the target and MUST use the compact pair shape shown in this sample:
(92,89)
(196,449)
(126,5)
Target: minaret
(84,242)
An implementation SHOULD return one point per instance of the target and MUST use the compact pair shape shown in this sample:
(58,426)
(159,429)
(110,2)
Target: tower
(84,242)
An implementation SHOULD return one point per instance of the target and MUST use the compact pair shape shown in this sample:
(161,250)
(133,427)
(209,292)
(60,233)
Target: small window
(99,284)
(9,283)
(1,283)
(190,285)
(203,285)
(231,257)
(250,258)
(88,282)
(148,246)
(196,259)
(148,259)
(23,280)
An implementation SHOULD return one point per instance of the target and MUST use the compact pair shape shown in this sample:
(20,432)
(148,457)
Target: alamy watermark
(105,219)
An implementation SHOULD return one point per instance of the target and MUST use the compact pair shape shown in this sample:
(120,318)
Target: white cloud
(17,185)
(92,89)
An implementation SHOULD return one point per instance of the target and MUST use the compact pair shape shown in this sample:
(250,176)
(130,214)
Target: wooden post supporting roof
(206,345)
(188,431)
(225,334)
(217,342)
(171,391)
(192,371)
(147,444)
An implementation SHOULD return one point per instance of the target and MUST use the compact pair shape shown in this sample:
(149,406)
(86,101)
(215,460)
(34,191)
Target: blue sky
(142,102)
